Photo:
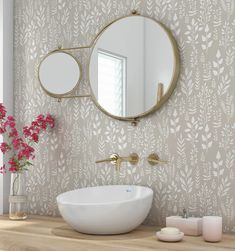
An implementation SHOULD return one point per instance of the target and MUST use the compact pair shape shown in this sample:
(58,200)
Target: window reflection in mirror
(112,82)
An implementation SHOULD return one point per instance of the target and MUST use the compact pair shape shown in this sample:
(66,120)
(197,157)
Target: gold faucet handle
(153,159)
(133,159)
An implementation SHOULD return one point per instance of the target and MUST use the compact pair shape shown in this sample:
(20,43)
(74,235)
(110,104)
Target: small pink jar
(212,228)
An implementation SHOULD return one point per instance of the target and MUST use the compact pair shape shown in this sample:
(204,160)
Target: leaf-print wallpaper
(194,130)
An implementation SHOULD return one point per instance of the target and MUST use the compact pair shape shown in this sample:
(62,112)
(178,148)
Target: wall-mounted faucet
(116,160)
(153,159)
(133,159)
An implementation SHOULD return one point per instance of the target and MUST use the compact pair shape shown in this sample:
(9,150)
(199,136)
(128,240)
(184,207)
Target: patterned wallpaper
(194,131)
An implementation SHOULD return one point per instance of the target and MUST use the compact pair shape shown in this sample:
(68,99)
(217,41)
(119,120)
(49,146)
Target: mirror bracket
(60,48)
(135,12)
(134,121)
(59,99)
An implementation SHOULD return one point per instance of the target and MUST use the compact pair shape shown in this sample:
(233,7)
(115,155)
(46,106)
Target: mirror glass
(133,67)
(59,73)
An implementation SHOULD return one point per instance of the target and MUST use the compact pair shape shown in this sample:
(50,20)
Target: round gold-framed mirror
(59,73)
(133,67)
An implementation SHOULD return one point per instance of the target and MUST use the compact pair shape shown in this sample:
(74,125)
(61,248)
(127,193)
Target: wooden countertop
(53,234)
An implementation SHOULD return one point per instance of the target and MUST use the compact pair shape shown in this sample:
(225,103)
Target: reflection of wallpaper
(194,130)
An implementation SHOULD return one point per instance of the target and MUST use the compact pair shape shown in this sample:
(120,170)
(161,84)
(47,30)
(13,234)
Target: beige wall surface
(194,131)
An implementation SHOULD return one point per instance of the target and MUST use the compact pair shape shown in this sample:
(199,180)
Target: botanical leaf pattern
(194,130)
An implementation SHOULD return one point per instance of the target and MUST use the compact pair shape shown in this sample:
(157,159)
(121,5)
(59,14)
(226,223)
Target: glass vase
(17,199)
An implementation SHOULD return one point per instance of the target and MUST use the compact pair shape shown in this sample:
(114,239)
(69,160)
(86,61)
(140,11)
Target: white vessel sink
(105,209)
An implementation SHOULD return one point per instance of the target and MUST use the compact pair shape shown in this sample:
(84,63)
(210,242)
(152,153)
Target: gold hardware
(74,96)
(75,48)
(153,159)
(160,91)
(113,159)
(135,121)
(172,83)
(116,160)
(134,12)
(132,159)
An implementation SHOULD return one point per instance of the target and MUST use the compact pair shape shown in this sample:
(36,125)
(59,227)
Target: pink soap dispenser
(188,225)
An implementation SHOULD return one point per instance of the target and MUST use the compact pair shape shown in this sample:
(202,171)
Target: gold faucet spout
(116,160)
(112,159)
(104,160)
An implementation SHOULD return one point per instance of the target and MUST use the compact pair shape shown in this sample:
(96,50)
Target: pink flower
(13,165)
(2,111)
(11,118)
(10,122)
(26,152)
(16,143)
(50,120)
(13,133)
(2,130)
(26,131)
(40,117)
(41,121)
(36,130)
(3,169)
(34,124)
(35,137)
(4,147)
(21,151)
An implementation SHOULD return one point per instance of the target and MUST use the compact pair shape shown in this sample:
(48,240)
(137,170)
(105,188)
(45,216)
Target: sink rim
(59,197)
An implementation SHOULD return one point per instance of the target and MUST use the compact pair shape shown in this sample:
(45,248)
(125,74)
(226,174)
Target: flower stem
(13,185)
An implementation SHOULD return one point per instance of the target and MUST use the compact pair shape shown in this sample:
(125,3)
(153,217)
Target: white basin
(105,209)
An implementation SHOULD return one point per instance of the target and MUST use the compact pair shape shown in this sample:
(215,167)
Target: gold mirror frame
(54,95)
(173,81)
(133,119)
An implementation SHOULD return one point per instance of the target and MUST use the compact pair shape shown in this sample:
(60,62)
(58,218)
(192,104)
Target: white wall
(6,81)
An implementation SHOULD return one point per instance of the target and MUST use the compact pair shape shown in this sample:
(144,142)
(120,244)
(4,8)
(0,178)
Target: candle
(212,228)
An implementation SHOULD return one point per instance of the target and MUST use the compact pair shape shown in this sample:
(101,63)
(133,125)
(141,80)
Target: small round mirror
(134,67)
(59,73)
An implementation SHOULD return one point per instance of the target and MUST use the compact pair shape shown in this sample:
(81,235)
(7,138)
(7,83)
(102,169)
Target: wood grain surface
(40,233)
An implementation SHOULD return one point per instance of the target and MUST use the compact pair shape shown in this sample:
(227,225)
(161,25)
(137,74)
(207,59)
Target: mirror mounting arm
(60,48)
(74,96)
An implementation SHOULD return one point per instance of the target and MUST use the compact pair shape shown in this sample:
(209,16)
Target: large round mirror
(59,73)
(134,66)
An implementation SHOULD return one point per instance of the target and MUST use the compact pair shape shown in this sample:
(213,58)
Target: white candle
(212,228)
